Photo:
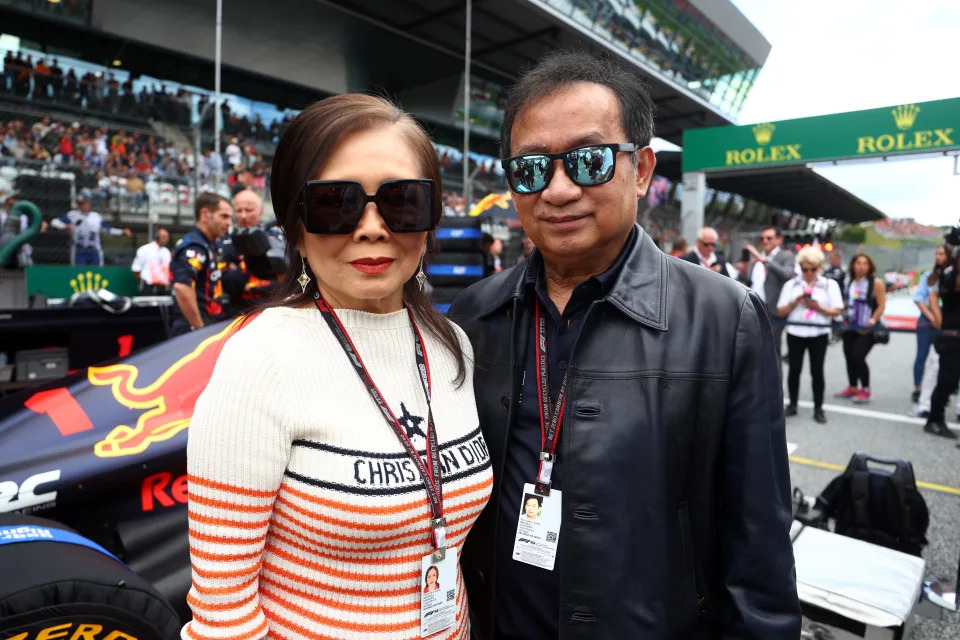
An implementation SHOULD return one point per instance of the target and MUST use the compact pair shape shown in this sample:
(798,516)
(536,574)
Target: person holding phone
(808,299)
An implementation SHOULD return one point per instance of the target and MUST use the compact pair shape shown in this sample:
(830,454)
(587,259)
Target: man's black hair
(561,69)
(530,496)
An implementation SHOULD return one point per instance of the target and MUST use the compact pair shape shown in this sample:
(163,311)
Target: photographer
(946,319)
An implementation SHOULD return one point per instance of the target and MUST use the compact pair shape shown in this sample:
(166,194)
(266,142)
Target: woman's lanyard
(430,472)
(550,419)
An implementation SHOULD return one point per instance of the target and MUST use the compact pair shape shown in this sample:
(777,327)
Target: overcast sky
(830,56)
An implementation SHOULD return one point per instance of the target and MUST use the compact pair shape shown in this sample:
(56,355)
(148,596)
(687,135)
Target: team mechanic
(637,395)
(198,264)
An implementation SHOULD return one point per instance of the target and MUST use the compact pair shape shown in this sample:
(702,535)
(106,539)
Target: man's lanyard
(550,419)
(430,472)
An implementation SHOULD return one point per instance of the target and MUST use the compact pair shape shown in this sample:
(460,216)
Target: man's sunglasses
(336,206)
(587,166)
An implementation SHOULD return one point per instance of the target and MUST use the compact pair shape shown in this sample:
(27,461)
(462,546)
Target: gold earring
(304,279)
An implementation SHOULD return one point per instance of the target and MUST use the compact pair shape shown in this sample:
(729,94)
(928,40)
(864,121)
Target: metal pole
(216,91)
(196,155)
(466,110)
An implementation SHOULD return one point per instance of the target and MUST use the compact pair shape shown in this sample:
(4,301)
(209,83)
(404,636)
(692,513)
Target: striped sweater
(307,519)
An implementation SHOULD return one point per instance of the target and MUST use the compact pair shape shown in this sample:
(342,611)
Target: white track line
(791,447)
(867,413)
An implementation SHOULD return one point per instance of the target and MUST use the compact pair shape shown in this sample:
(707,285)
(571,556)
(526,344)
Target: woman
(431,580)
(810,298)
(321,464)
(924,326)
(866,298)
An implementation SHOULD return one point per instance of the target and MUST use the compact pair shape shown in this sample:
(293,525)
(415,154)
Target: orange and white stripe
(314,527)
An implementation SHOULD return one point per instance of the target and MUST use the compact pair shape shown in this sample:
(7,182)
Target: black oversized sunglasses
(336,206)
(586,166)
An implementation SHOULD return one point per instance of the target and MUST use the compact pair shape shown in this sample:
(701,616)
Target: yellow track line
(839,467)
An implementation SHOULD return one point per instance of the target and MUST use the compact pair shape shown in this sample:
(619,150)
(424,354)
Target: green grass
(876,239)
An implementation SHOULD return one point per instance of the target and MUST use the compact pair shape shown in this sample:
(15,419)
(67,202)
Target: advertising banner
(922,127)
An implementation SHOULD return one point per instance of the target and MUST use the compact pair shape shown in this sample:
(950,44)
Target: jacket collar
(640,291)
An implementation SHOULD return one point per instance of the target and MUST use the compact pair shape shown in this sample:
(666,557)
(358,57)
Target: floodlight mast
(466,109)
(216,92)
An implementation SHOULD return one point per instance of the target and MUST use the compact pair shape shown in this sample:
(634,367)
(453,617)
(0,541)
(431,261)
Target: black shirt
(949,298)
(199,264)
(528,597)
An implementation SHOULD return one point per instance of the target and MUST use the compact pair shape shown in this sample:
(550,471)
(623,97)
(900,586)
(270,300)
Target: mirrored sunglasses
(587,166)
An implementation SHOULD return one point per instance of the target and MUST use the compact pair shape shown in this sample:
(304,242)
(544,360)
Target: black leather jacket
(676,501)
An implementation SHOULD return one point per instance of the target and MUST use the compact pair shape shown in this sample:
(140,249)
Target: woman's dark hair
(561,69)
(302,153)
(935,271)
(871,272)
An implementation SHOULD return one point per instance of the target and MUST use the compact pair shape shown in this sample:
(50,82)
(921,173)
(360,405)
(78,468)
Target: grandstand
(126,86)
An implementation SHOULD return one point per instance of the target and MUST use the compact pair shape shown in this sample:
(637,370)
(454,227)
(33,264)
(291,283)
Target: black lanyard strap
(429,472)
(551,419)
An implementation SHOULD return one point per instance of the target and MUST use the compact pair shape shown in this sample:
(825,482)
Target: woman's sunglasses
(587,166)
(336,206)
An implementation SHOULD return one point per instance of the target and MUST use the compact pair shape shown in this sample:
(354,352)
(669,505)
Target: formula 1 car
(93,487)
(103,451)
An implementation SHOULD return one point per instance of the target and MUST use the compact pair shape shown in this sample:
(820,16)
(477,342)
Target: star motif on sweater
(411,423)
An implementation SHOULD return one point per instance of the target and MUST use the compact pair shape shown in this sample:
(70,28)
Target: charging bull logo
(170,399)
(489,201)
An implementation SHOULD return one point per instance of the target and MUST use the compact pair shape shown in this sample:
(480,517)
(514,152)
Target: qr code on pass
(450,595)
(551,536)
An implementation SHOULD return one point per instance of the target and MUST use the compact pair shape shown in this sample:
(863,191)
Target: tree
(854,235)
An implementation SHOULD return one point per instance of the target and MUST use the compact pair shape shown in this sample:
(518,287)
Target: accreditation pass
(438,600)
(538,528)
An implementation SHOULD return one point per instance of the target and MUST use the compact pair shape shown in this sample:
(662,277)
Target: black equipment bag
(877,505)
(51,588)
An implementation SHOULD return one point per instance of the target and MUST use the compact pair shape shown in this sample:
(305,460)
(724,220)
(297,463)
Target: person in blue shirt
(924,326)
(86,227)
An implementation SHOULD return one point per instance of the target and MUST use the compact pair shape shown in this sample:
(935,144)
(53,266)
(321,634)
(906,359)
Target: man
(836,270)
(233,153)
(152,265)
(947,318)
(86,227)
(531,506)
(679,248)
(198,264)
(245,289)
(137,188)
(670,452)
(705,253)
(769,271)
(526,248)
(247,209)
(491,248)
